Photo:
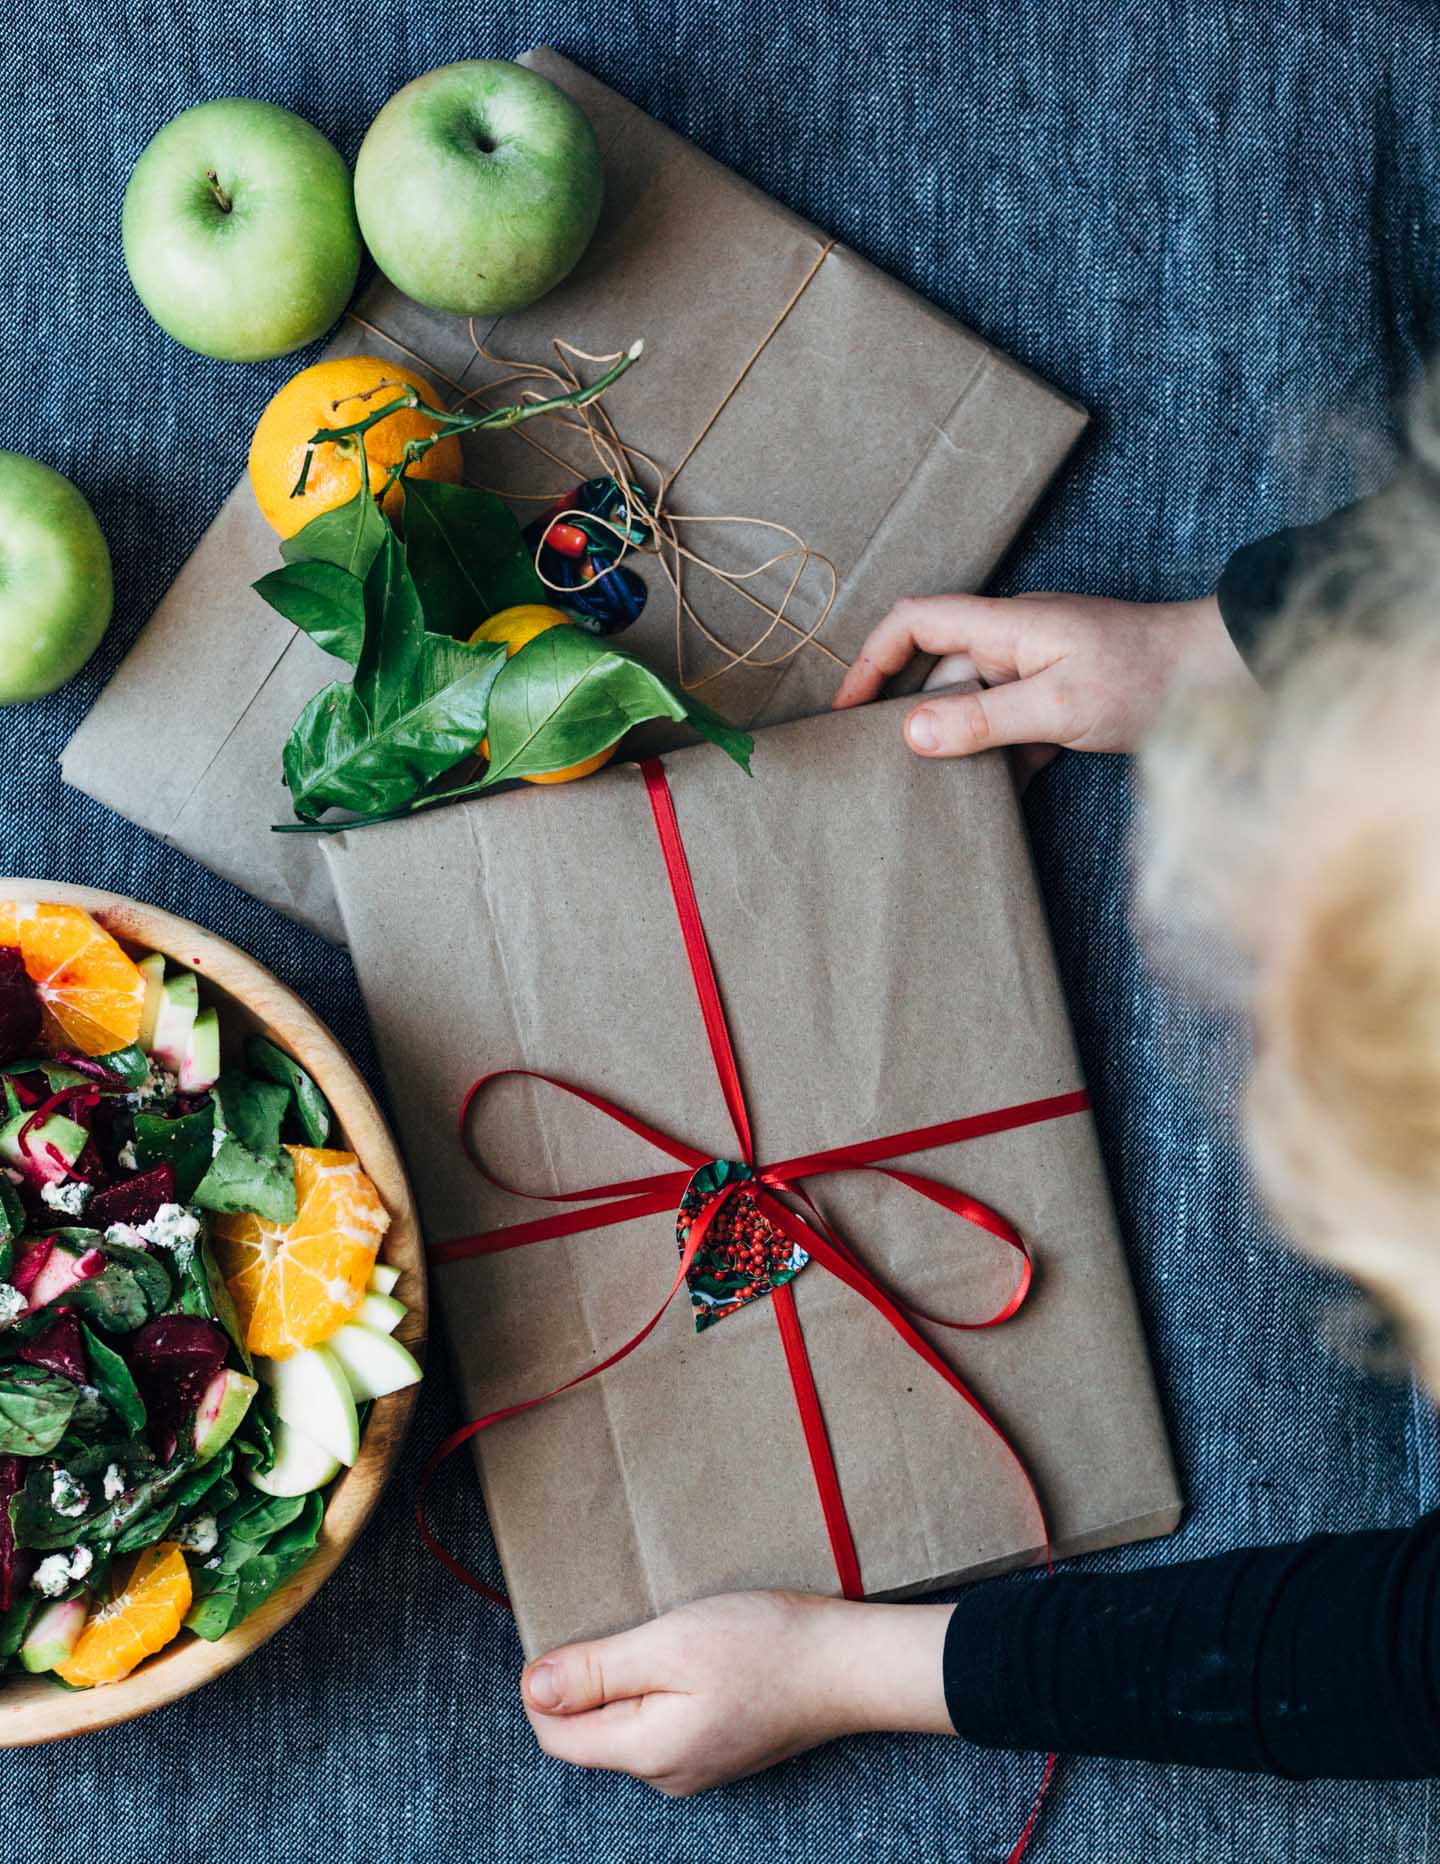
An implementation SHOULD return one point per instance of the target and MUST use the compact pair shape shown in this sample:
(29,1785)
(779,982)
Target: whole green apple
(478,187)
(55,587)
(240,230)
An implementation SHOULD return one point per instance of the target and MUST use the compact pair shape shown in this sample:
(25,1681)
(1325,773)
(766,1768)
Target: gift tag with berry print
(744,1255)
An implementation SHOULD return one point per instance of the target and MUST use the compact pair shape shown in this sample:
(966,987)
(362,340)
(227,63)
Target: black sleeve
(1318,1659)
(1255,583)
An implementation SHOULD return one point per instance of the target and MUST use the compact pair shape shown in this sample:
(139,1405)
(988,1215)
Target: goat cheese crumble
(201,1535)
(12,1304)
(172,1227)
(69,1199)
(159,1084)
(59,1571)
(67,1496)
(113,1482)
(125,1158)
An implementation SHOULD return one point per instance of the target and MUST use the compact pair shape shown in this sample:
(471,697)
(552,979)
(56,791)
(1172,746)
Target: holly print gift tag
(744,1256)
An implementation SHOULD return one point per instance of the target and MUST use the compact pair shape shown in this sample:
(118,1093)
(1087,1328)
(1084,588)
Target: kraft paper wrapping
(885,963)
(829,398)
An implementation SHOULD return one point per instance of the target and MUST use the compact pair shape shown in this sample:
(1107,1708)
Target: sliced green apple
(200,1063)
(383,1278)
(311,1391)
(374,1363)
(152,969)
(300,1464)
(381,1313)
(223,1404)
(53,1635)
(179,1006)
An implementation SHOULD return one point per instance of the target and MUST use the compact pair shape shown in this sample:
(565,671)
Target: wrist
(880,1668)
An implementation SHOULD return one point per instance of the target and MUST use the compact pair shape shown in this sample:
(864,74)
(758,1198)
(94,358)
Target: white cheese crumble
(172,1227)
(59,1571)
(114,1482)
(67,1496)
(70,1199)
(217,1139)
(12,1304)
(125,1158)
(201,1535)
(159,1084)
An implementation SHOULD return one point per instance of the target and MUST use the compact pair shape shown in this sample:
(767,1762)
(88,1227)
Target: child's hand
(1058,670)
(725,1687)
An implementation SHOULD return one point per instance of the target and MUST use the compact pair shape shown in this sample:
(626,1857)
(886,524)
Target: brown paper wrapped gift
(783,378)
(885,964)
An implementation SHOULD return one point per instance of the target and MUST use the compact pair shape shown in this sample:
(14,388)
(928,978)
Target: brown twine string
(629,467)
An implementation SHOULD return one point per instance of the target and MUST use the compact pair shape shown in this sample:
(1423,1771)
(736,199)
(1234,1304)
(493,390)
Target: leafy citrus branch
(455,424)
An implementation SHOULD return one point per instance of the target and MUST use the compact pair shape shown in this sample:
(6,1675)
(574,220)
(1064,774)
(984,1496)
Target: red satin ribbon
(624,1201)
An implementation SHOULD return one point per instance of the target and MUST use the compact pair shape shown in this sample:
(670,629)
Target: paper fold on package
(885,964)
(783,376)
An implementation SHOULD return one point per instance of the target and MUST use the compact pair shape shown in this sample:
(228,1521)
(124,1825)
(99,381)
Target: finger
(1022,712)
(982,626)
(612,1737)
(579,1677)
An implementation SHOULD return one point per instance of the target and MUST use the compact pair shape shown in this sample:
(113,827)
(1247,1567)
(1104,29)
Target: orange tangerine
(293,1286)
(91,993)
(9,923)
(335,394)
(515,627)
(143,1613)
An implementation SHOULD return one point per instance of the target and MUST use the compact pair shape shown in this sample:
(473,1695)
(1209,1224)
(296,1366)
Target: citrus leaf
(336,758)
(566,697)
(394,635)
(467,556)
(323,601)
(347,535)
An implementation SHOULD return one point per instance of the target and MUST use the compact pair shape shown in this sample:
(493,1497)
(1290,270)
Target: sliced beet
(133,1200)
(29,1263)
(173,1358)
(19,1006)
(59,1348)
(16,1564)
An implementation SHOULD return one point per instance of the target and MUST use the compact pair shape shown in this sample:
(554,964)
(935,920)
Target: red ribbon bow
(605,1204)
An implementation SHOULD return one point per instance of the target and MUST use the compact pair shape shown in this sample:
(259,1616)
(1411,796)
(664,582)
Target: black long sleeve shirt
(1315,1659)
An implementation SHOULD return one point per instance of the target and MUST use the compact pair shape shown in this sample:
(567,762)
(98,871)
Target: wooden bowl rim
(34,1709)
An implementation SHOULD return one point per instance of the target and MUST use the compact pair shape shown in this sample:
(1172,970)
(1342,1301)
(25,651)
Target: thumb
(1019,712)
(580,1677)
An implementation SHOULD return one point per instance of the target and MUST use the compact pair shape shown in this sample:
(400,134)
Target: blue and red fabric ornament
(580,540)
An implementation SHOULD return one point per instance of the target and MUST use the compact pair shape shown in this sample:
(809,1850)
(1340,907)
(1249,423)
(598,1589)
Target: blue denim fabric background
(1218,228)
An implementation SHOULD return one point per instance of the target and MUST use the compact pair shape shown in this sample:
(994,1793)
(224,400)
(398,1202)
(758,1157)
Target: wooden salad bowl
(34,1709)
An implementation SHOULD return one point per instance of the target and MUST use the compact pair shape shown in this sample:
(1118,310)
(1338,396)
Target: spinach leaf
(348,536)
(251,1110)
(35,1408)
(240,1180)
(322,600)
(12,1224)
(256,1436)
(149,1271)
(15,1623)
(183,1144)
(417,708)
(114,1299)
(131,1064)
(111,1377)
(146,1529)
(204,1480)
(467,556)
(36,1525)
(256,1556)
(311,1107)
(566,696)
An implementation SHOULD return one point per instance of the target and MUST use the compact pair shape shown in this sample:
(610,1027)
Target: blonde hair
(1294,826)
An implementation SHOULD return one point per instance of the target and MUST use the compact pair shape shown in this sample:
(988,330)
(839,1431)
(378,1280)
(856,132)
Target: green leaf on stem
(566,697)
(323,601)
(418,707)
(347,535)
(467,556)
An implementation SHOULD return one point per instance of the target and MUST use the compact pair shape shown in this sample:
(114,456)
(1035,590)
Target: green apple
(55,587)
(240,230)
(478,187)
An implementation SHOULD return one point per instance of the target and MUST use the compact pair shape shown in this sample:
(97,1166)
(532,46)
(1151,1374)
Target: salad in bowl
(196,1313)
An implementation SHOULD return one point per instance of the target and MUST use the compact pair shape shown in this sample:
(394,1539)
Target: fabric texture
(1313,1659)
(1215,225)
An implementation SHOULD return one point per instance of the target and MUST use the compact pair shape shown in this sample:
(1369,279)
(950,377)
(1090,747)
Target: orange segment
(9,923)
(91,992)
(143,1613)
(292,1287)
